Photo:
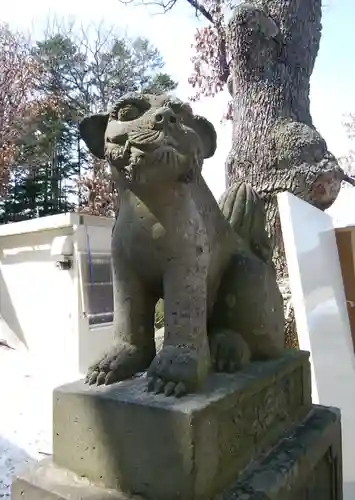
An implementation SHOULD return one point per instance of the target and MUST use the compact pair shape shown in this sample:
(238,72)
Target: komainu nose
(164,116)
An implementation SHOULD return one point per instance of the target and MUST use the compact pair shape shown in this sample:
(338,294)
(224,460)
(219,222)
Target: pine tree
(78,73)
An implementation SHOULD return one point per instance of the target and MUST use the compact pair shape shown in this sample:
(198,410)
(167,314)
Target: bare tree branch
(349,180)
(201,9)
(170,4)
(19,102)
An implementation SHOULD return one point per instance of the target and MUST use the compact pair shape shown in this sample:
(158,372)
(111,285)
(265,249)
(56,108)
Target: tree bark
(275,148)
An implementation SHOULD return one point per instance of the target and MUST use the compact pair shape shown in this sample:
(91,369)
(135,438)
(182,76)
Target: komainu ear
(207,133)
(92,130)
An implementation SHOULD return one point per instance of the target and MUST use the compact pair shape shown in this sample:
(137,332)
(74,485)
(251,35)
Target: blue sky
(333,79)
(332,84)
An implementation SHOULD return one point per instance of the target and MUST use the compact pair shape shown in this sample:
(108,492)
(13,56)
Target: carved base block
(123,437)
(306,464)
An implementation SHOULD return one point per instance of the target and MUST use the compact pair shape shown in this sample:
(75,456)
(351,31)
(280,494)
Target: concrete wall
(36,297)
(43,307)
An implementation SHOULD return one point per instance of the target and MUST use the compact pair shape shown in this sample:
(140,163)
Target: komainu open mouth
(166,155)
(147,142)
(163,160)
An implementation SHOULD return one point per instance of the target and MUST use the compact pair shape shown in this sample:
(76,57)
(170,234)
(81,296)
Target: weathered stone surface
(305,465)
(45,481)
(166,449)
(171,240)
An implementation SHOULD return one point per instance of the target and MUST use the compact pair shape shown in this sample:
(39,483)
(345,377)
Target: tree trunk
(274,44)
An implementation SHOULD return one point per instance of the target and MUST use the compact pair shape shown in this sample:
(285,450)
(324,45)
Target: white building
(56,297)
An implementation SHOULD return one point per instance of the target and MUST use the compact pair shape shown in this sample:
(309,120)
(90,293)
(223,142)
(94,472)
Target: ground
(25,414)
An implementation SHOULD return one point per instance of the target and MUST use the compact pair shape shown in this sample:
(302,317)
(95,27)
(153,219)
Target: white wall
(321,315)
(36,297)
(42,307)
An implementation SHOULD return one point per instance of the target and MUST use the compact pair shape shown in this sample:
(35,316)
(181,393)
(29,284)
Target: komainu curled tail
(249,301)
(244,210)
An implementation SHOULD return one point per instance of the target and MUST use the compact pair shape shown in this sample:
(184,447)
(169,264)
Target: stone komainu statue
(212,264)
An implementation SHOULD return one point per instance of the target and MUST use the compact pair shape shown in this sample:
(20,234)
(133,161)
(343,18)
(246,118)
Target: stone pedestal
(242,435)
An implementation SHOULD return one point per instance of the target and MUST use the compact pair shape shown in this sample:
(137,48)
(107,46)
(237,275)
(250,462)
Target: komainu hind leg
(250,306)
(229,351)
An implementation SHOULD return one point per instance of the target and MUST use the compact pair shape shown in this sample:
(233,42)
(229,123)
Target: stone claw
(175,371)
(170,388)
(229,351)
(91,377)
(120,363)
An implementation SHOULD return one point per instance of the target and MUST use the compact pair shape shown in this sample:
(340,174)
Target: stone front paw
(176,371)
(121,362)
(229,351)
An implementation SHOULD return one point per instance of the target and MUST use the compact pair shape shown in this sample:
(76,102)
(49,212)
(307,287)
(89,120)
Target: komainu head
(148,139)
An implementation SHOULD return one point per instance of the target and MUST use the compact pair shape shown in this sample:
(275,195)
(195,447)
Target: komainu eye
(128,113)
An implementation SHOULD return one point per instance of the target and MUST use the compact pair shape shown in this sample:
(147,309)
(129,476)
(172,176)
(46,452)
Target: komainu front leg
(182,364)
(134,346)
